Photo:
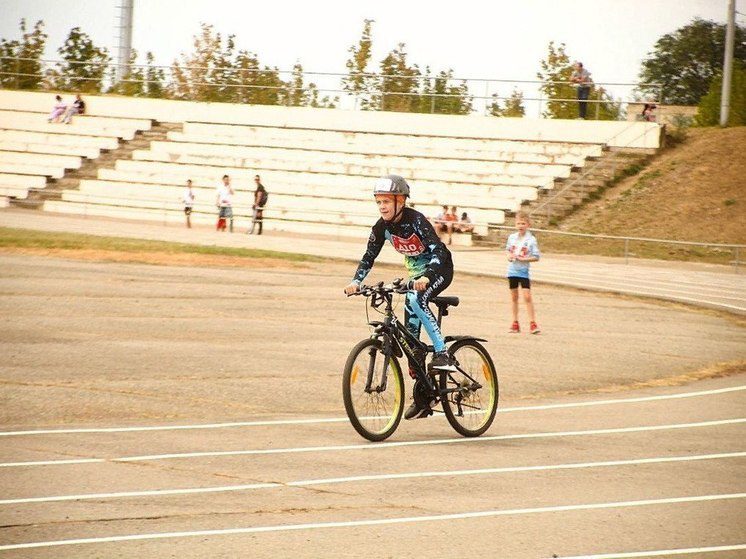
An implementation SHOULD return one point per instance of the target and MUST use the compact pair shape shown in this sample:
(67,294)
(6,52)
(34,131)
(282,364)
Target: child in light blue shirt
(522,249)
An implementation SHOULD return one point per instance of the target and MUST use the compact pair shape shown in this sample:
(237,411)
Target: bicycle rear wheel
(374,405)
(470,402)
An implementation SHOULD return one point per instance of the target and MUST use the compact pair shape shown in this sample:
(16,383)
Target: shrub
(708,112)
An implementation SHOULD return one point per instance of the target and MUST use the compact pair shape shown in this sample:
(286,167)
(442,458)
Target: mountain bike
(373,384)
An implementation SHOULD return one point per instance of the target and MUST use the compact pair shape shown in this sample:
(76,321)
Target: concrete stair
(569,194)
(89,169)
(582,185)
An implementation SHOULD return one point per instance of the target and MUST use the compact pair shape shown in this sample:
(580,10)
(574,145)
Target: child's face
(387,206)
(521,225)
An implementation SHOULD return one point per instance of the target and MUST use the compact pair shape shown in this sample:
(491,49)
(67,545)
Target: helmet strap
(398,212)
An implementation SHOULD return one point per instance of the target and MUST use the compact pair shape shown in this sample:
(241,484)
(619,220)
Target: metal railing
(170,207)
(325,83)
(584,174)
(736,249)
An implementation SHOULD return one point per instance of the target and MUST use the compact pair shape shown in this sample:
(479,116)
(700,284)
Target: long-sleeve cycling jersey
(414,237)
(424,255)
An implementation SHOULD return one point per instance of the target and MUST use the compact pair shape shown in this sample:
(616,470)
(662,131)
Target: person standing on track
(428,261)
(260,200)
(188,203)
(224,202)
(522,249)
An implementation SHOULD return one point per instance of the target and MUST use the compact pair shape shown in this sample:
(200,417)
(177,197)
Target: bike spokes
(470,394)
(373,392)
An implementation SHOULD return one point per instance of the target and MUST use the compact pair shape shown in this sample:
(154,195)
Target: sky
(495,39)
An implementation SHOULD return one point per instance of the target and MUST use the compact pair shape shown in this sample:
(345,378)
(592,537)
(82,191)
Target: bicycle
(373,385)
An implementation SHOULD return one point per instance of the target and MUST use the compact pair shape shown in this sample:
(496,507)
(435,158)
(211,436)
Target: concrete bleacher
(31,146)
(385,143)
(317,164)
(17,186)
(166,200)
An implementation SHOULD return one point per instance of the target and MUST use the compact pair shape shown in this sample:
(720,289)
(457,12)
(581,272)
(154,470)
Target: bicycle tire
(480,415)
(355,374)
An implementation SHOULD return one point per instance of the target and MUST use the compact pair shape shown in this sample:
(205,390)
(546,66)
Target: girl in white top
(188,203)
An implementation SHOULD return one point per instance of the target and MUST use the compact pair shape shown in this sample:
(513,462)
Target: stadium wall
(620,134)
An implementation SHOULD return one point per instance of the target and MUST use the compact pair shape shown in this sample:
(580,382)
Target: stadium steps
(582,185)
(90,167)
(598,174)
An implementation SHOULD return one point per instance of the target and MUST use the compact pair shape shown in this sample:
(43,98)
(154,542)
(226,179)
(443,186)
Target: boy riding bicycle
(427,259)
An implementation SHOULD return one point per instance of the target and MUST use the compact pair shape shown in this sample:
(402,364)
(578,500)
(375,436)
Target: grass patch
(28,239)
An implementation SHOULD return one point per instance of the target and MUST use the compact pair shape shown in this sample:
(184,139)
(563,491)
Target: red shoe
(534,328)
(412,373)
(515,328)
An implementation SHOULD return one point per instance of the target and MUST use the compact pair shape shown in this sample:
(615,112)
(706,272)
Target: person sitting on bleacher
(439,222)
(77,108)
(59,109)
(451,219)
(464,224)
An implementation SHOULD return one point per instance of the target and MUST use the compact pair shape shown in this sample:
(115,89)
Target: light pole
(730,35)
(124,38)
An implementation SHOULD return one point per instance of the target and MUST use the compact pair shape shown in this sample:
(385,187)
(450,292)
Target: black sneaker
(416,412)
(443,362)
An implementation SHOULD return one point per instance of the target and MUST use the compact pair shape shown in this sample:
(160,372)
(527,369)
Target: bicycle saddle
(445,302)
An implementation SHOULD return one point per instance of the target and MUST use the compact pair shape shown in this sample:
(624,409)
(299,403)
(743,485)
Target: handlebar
(396,286)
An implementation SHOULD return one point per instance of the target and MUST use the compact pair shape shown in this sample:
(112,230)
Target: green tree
(215,71)
(131,83)
(154,78)
(398,84)
(313,99)
(295,90)
(708,113)
(358,82)
(513,105)
(607,109)
(448,99)
(300,95)
(202,74)
(685,61)
(84,65)
(140,81)
(20,60)
(555,74)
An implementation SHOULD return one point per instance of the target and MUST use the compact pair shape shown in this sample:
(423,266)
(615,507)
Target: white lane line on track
(377,477)
(310,421)
(660,552)
(733,295)
(644,292)
(377,446)
(719,284)
(380,521)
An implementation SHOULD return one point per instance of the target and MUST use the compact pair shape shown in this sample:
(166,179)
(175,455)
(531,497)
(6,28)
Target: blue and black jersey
(424,255)
(414,237)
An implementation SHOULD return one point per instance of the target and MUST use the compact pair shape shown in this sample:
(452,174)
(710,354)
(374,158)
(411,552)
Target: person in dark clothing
(260,200)
(427,259)
(77,108)
(581,78)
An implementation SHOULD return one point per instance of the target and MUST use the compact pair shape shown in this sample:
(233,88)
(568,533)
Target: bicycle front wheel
(373,391)
(470,395)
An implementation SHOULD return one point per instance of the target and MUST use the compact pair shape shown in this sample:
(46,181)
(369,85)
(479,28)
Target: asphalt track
(705,285)
(656,471)
(642,473)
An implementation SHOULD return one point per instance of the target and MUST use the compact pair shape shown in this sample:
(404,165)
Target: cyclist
(428,262)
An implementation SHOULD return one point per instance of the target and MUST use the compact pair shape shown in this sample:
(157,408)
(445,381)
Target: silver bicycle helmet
(391,184)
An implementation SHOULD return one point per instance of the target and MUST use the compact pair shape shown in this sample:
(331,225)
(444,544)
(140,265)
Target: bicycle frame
(397,340)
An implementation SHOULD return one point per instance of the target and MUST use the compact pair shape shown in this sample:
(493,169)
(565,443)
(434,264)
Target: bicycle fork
(372,367)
